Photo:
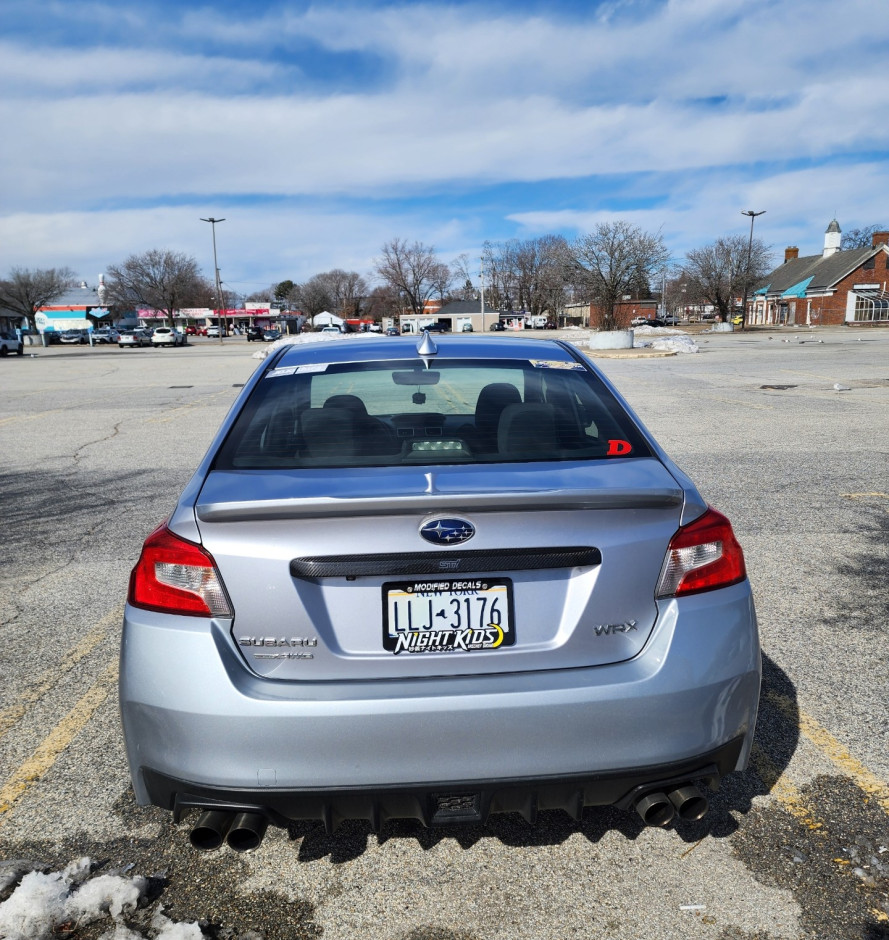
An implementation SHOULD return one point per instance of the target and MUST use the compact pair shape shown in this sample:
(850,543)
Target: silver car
(435,579)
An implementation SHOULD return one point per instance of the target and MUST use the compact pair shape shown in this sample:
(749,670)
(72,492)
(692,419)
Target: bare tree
(314,296)
(860,237)
(538,273)
(25,291)
(160,280)
(615,259)
(498,275)
(716,273)
(412,270)
(346,290)
(264,296)
(382,302)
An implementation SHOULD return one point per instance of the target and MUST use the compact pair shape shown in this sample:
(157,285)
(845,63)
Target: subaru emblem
(447,531)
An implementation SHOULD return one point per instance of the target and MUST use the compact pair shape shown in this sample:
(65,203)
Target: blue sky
(322,131)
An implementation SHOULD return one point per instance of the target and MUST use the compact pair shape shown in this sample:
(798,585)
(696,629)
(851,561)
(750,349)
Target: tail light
(176,576)
(702,556)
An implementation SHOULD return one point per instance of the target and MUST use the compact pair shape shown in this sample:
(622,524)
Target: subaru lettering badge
(447,531)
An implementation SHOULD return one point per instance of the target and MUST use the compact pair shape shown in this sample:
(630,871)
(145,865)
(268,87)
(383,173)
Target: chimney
(791,253)
(880,238)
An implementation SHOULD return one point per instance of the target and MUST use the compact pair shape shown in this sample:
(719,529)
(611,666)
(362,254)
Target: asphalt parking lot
(95,445)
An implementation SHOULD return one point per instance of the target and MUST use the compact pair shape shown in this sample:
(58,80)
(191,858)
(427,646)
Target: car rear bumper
(447,802)
(200,726)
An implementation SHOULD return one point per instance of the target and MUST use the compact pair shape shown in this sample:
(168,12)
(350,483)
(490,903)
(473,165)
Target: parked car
(466,328)
(70,337)
(167,336)
(213,331)
(435,580)
(392,331)
(10,343)
(191,331)
(255,333)
(647,321)
(671,320)
(134,338)
(335,330)
(105,334)
(269,336)
(497,327)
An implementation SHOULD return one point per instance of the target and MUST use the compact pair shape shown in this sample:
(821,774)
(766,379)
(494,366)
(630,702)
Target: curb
(629,353)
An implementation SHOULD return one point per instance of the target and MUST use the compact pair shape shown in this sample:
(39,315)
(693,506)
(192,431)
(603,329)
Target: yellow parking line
(175,413)
(782,789)
(49,680)
(864,779)
(42,760)
(744,404)
(43,414)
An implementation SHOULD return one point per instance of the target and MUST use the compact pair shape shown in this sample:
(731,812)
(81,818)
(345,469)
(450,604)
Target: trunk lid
(330,577)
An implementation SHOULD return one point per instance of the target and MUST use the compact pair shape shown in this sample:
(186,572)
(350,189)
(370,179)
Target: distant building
(838,286)
(80,308)
(455,317)
(625,311)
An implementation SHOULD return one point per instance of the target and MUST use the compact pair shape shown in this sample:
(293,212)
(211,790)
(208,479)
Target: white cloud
(126,145)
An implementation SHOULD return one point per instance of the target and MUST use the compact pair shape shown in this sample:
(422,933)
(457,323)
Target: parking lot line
(42,414)
(181,410)
(828,745)
(50,679)
(781,789)
(43,758)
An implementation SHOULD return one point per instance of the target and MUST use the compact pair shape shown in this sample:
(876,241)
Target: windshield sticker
(297,370)
(554,364)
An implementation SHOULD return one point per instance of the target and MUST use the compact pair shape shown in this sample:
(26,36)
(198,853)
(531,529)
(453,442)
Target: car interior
(379,414)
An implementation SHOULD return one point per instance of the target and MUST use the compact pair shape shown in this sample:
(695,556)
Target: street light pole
(213,222)
(752,215)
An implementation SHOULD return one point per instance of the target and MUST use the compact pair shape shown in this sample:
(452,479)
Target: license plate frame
(451,615)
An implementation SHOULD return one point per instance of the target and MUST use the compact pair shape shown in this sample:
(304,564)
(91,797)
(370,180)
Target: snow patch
(301,338)
(44,902)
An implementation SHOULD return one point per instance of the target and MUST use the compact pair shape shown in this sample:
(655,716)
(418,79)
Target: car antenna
(426,347)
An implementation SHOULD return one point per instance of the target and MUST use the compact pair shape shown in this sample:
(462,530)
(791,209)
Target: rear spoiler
(500,501)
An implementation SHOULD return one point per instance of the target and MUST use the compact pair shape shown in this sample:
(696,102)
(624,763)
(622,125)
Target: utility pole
(752,215)
(219,306)
(481,275)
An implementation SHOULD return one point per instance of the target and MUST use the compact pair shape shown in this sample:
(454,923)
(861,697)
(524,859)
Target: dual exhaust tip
(658,809)
(241,831)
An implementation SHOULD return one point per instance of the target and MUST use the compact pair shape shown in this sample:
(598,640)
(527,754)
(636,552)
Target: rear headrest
(328,432)
(527,430)
(492,399)
(350,402)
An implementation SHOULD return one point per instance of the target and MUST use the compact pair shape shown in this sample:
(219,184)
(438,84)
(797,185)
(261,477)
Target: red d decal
(618,448)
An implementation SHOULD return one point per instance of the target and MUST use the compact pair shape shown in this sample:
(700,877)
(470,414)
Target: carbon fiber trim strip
(444,563)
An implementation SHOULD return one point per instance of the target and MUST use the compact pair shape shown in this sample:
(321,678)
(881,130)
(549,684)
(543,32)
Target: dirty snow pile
(300,338)
(681,343)
(663,338)
(46,905)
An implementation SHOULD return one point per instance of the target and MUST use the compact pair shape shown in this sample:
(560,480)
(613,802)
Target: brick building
(592,315)
(838,286)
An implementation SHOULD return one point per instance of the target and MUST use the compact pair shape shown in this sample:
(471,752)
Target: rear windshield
(403,413)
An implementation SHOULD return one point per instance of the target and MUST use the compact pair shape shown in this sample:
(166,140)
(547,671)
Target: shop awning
(798,290)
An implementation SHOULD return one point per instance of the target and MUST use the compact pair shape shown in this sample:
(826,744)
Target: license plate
(465,615)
